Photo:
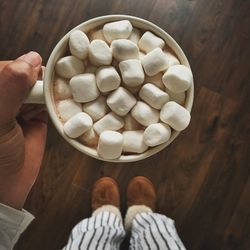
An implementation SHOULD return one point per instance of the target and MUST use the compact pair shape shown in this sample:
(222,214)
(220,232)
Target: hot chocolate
(120,78)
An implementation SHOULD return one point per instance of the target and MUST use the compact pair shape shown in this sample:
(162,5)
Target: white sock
(110,208)
(132,212)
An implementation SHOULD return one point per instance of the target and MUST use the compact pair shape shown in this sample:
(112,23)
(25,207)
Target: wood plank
(202,178)
(237,234)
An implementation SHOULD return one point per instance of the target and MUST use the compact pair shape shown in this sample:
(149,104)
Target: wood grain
(202,178)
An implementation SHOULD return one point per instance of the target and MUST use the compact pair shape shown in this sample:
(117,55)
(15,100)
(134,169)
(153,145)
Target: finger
(35,61)
(28,108)
(3,64)
(16,79)
(25,108)
(41,73)
(32,111)
(34,123)
(35,132)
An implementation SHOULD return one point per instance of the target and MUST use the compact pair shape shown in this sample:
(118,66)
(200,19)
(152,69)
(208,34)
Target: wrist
(11,162)
(6,128)
(11,150)
(12,198)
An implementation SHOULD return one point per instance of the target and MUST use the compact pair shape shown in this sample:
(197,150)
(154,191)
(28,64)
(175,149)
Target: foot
(141,198)
(105,192)
(141,191)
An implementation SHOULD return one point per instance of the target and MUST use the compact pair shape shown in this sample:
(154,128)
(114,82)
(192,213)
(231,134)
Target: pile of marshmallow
(121,91)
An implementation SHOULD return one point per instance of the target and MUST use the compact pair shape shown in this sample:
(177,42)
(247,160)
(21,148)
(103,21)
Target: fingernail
(32,58)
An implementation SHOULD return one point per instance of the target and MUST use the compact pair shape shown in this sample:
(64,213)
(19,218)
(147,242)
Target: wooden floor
(202,179)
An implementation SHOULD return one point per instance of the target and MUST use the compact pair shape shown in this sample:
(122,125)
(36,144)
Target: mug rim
(49,74)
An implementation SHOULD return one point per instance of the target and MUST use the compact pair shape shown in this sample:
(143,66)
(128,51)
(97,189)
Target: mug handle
(36,94)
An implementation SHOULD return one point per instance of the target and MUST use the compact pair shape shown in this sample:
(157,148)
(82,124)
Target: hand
(23,129)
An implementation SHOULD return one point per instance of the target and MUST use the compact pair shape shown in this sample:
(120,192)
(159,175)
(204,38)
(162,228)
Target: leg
(148,230)
(104,230)
(154,231)
(101,231)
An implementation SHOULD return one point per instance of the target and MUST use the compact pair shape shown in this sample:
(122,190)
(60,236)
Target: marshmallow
(175,116)
(130,123)
(90,138)
(178,78)
(110,145)
(135,36)
(171,58)
(154,62)
(69,66)
(107,79)
(77,125)
(156,80)
(61,89)
(141,55)
(152,95)
(144,114)
(84,87)
(91,69)
(121,101)
(100,53)
(124,49)
(133,142)
(117,30)
(133,90)
(156,134)
(177,97)
(78,44)
(111,121)
(150,41)
(97,108)
(68,108)
(132,72)
(98,34)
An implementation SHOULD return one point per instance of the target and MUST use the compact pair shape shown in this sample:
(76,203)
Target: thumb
(16,80)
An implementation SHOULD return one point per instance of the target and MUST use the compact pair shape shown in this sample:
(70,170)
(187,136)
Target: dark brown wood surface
(202,178)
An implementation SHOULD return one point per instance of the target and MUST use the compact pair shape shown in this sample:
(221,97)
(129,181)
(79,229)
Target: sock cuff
(132,212)
(110,208)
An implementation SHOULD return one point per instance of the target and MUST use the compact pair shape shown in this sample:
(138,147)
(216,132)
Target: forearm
(12,224)
(11,162)
(21,145)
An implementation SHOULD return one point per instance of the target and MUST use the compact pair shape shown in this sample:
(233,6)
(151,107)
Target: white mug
(42,92)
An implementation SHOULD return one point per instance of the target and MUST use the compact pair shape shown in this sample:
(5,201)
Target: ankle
(108,208)
(131,213)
